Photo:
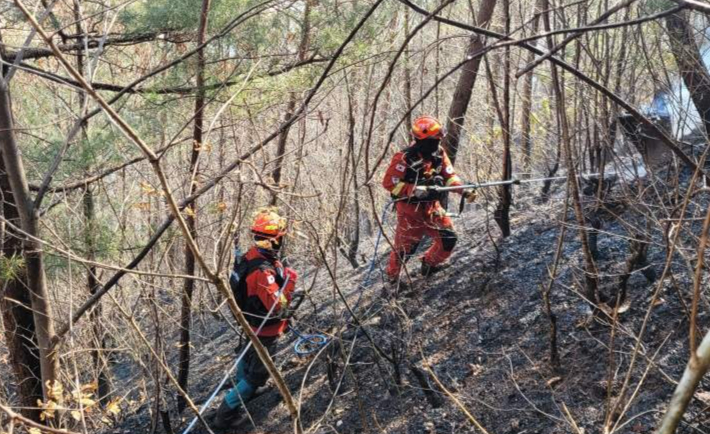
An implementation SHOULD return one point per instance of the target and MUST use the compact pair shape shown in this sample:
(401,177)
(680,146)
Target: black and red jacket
(410,168)
(263,285)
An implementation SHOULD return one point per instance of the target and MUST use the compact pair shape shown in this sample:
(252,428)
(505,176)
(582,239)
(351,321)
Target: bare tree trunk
(16,309)
(526,110)
(97,353)
(354,238)
(283,137)
(191,210)
(31,249)
(464,87)
(590,269)
(505,197)
(690,63)
(407,72)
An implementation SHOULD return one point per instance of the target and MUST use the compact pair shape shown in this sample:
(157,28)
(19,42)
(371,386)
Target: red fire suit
(419,217)
(263,284)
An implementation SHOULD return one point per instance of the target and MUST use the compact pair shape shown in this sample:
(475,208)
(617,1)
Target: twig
(29,422)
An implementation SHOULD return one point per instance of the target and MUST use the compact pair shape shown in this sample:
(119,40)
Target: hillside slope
(482,328)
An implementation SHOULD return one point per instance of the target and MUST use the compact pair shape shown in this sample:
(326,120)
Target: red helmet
(269,224)
(427,127)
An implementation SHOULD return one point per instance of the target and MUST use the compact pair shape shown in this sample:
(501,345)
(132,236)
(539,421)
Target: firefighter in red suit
(256,281)
(419,212)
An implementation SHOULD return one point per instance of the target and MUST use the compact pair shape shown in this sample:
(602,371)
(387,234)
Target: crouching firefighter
(419,212)
(258,284)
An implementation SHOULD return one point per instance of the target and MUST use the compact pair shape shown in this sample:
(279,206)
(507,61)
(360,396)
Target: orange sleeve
(394,177)
(291,285)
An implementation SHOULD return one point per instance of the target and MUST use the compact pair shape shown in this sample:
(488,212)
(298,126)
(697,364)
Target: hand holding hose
(469,195)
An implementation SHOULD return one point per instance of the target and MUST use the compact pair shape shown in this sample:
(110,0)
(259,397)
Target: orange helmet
(269,224)
(427,127)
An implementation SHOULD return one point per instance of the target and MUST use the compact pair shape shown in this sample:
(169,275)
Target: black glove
(427,195)
(435,181)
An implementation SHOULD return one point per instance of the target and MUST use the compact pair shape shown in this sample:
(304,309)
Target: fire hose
(513,181)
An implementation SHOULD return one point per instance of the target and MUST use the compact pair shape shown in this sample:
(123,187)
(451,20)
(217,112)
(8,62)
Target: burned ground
(482,328)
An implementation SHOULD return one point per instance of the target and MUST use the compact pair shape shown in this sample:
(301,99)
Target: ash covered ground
(482,328)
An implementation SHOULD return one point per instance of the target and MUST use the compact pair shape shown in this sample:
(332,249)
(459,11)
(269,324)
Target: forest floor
(482,327)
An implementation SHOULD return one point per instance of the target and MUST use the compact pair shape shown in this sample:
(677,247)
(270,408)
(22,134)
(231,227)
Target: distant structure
(647,141)
(672,110)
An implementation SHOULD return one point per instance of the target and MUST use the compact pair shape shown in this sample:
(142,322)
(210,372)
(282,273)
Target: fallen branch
(29,422)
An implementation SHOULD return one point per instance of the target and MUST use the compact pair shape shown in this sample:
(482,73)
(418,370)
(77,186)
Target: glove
(436,181)
(470,195)
(421,193)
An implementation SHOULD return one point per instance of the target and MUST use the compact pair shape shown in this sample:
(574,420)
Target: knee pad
(448,239)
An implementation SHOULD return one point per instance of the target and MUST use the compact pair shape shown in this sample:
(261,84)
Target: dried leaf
(87,402)
(34,431)
(55,391)
(76,415)
(147,188)
(113,407)
(704,397)
(90,387)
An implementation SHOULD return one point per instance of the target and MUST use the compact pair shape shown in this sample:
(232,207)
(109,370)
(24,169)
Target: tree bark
(694,372)
(191,212)
(690,64)
(354,232)
(590,269)
(31,249)
(16,309)
(98,355)
(505,196)
(526,110)
(465,84)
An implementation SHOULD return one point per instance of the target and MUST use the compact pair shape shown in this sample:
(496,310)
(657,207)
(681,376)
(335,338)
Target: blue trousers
(251,374)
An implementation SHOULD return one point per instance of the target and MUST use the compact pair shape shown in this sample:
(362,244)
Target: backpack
(254,310)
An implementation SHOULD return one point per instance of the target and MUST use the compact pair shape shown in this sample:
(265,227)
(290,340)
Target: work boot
(226,417)
(428,270)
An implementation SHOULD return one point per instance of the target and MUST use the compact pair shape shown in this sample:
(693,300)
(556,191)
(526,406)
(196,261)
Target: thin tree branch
(39,53)
(29,422)
(621,102)
(175,90)
(603,17)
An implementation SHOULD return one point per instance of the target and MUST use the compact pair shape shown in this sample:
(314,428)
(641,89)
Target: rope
(373,261)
